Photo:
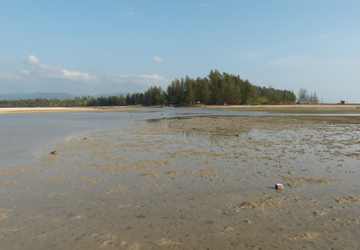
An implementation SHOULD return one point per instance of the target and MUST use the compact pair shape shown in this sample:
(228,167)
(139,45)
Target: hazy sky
(112,46)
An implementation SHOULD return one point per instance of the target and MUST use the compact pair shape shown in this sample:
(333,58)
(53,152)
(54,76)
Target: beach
(179,180)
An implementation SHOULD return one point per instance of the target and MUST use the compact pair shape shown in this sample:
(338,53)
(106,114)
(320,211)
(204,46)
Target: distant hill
(24,96)
(113,94)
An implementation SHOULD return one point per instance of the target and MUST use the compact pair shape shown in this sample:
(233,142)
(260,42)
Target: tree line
(215,89)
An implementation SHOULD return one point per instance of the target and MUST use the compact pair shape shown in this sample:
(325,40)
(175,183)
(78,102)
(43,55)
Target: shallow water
(183,183)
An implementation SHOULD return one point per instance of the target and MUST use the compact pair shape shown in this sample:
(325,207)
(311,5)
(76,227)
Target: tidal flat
(190,183)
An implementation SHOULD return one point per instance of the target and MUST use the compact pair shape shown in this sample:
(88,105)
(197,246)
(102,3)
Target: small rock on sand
(55,152)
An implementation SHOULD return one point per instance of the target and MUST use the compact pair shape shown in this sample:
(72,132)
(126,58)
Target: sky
(88,47)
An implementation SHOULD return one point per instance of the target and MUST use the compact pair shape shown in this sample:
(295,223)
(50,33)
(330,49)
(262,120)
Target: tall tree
(303,95)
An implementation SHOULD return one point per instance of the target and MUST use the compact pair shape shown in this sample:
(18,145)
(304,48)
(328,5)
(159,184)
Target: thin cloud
(139,80)
(157,59)
(129,13)
(295,61)
(35,68)
(9,76)
(38,76)
(292,59)
(257,54)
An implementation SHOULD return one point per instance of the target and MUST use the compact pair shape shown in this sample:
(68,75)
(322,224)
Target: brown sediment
(76,164)
(73,155)
(205,163)
(18,170)
(297,182)
(110,167)
(59,177)
(305,236)
(109,158)
(49,159)
(320,213)
(293,109)
(267,201)
(38,177)
(9,183)
(149,176)
(282,172)
(100,153)
(192,211)
(121,159)
(3,216)
(171,173)
(347,199)
(88,180)
(207,173)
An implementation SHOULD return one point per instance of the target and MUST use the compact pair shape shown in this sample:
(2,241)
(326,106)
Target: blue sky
(108,46)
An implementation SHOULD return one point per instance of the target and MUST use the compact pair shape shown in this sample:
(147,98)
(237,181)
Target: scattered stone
(55,152)
(227,229)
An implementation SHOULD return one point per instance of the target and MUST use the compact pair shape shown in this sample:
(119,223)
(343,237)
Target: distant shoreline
(295,109)
(39,110)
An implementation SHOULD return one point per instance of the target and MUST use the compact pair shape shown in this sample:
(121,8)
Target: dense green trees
(216,88)
(224,88)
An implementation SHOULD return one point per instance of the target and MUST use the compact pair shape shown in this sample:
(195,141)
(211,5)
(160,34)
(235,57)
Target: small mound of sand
(111,167)
(267,201)
(49,159)
(3,216)
(100,153)
(171,173)
(207,173)
(18,170)
(347,199)
(162,242)
(33,178)
(89,180)
(9,183)
(305,236)
(73,155)
(149,176)
(297,182)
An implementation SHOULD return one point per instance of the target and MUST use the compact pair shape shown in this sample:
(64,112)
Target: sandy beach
(294,109)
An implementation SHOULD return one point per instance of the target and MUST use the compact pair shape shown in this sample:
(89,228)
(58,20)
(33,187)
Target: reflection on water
(194,183)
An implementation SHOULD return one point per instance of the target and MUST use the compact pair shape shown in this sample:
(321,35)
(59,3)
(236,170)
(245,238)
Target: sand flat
(200,186)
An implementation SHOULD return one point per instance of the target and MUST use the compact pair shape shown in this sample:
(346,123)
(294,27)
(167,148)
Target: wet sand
(190,183)
(294,109)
